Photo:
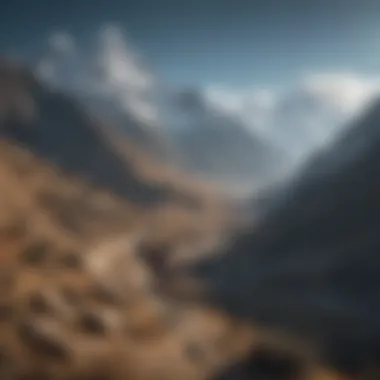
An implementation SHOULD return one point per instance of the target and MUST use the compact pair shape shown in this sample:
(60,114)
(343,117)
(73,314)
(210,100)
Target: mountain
(198,139)
(178,124)
(309,268)
(217,146)
(355,139)
(203,141)
(323,220)
(151,139)
(58,129)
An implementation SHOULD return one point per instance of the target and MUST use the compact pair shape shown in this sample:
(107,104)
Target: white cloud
(304,115)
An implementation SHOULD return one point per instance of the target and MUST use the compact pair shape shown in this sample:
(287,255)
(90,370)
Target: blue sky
(235,42)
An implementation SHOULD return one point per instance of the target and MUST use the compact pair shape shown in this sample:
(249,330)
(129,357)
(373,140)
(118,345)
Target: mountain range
(175,124)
